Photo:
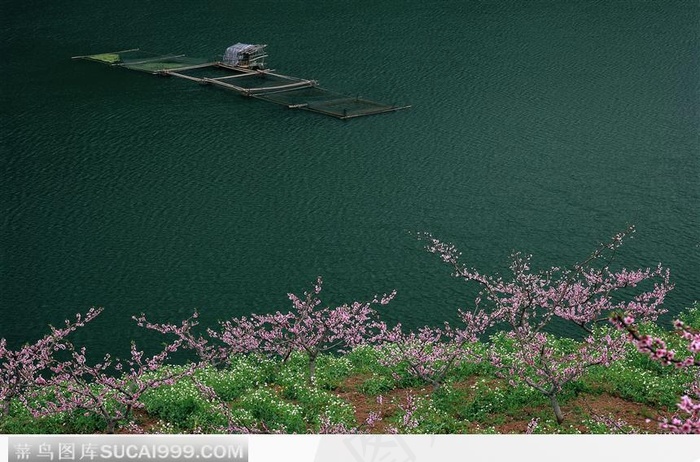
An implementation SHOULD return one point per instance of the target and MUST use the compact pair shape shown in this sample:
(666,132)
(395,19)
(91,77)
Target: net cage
(241,69)
(245,55)
(296,93)
(328,102)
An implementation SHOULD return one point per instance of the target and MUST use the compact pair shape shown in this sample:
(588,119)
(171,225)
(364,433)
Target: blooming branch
(21,370)
(525,304)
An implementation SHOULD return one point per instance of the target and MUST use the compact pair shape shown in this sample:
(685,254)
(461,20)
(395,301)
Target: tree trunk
(5,407)
(312,368)
(111,425)
(556,408)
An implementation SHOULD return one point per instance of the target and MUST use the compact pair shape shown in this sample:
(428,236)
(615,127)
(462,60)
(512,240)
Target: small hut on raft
(245,55)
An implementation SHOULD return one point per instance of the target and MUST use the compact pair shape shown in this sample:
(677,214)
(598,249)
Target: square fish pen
(259,83)
(327,102)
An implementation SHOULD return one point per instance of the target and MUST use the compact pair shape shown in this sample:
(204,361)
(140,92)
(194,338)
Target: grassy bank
(268,395)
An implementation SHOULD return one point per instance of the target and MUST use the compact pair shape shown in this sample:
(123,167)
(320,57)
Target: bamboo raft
(242,70)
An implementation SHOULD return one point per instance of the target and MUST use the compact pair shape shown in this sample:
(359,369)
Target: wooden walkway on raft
(265,84)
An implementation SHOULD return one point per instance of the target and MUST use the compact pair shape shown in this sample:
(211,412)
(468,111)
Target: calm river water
(538,126)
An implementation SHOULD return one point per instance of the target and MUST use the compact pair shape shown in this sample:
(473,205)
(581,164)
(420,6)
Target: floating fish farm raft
(242,69)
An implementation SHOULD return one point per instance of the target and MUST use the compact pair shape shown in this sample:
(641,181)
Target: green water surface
(540,126)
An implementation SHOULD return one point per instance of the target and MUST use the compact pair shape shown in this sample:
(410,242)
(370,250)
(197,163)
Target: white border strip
(462,448)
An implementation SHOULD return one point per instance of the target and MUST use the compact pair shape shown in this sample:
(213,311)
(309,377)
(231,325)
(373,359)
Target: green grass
(276,395)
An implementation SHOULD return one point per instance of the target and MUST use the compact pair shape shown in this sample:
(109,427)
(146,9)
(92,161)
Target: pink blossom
(20,370)
(309,328)
(110,388)
(687,420)
(526,303)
